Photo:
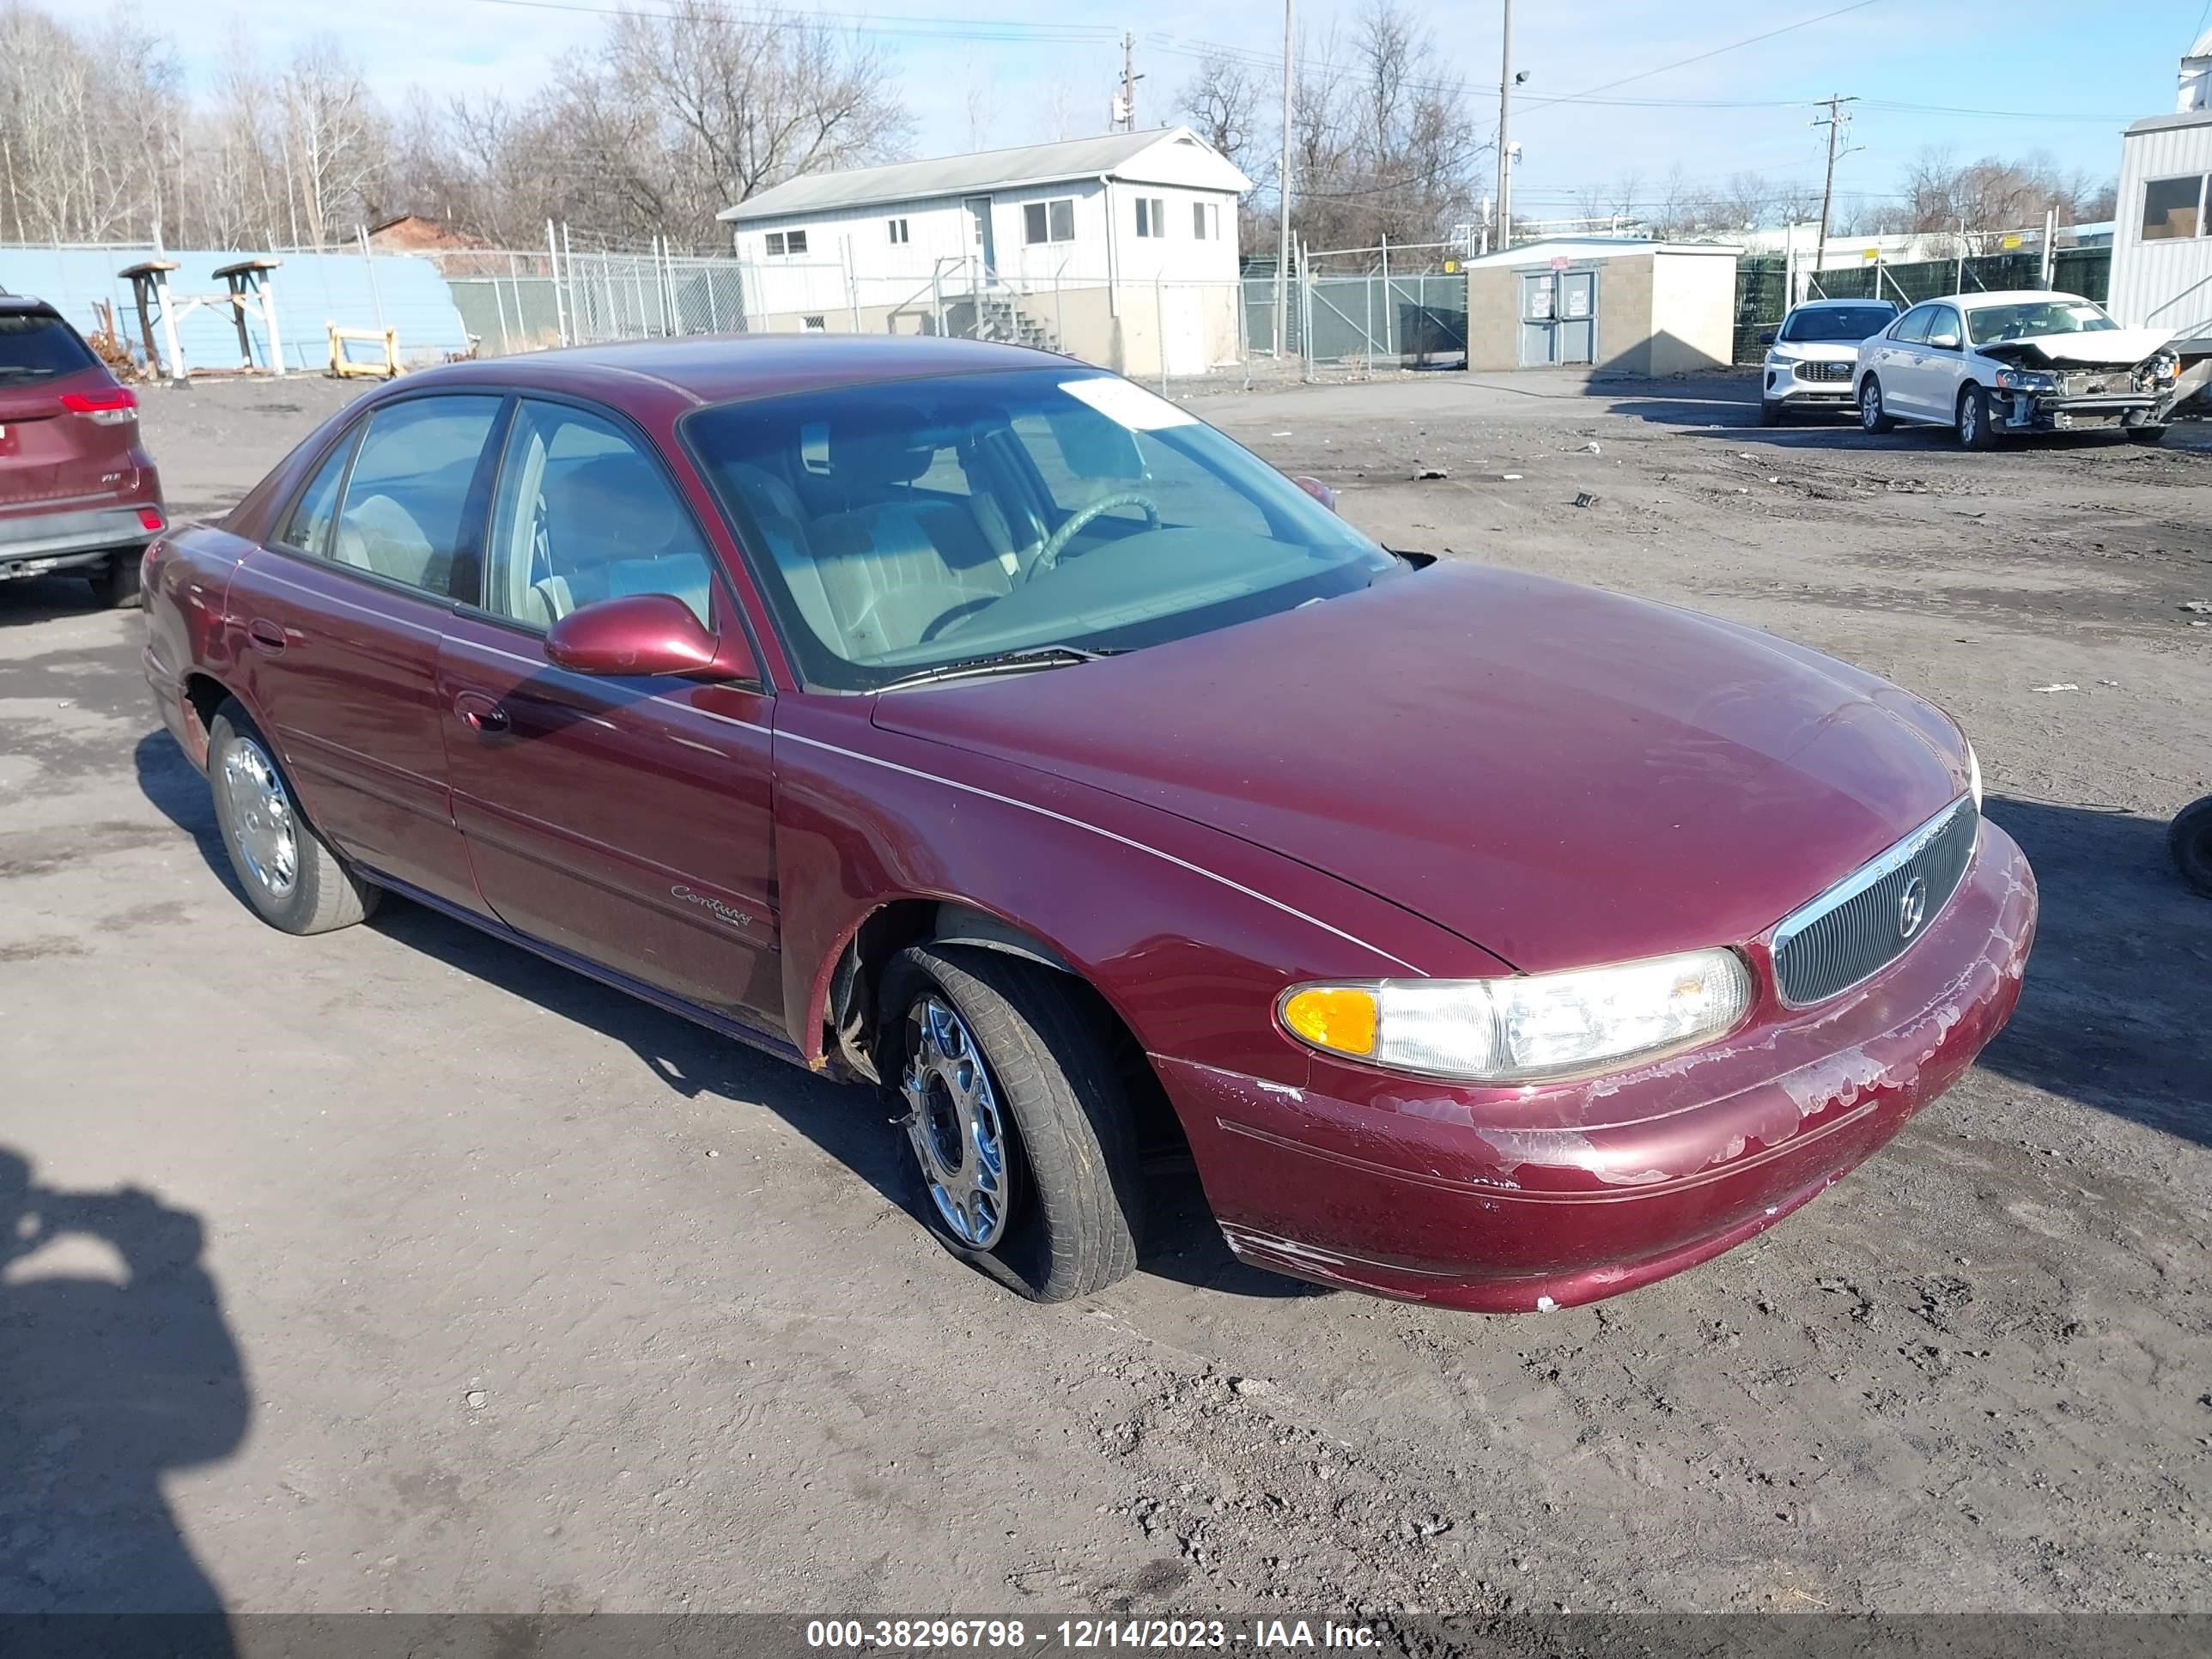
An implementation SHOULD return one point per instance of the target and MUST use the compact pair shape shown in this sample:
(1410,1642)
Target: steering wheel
(1048,554)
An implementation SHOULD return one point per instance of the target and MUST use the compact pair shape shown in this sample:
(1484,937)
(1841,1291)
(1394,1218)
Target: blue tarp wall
(311,288)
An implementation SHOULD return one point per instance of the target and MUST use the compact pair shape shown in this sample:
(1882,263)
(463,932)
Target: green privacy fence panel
(1762,284)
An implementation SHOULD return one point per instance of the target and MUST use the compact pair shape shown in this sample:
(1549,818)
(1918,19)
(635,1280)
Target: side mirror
(644,634)
(1766,336)
(1319,491)
(1944,342)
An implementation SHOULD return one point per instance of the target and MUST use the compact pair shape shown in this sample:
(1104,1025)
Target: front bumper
(2038,411)
(1782,384)
(1503,1200)
(35,544)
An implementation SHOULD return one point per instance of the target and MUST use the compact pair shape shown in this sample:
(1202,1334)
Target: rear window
(34,347)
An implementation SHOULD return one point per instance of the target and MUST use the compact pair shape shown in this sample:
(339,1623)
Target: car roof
(18,305)
(1828,305)
(718,369)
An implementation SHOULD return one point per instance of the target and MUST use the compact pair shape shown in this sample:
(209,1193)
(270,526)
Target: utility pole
(1129,79)
(1836,121)
(1283,197)
(1505,135)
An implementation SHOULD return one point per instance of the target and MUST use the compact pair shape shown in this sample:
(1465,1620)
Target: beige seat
(379,534)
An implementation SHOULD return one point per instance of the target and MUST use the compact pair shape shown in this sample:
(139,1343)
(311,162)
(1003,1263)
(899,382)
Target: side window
(2173,209)
(1943,319)
(582,513)
(308,527)
(1914,324)
(407,496)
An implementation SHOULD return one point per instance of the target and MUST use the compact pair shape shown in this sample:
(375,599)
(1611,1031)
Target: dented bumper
(1505,1200)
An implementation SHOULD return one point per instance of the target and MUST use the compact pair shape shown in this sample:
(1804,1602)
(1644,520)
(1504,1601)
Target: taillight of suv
(111,406)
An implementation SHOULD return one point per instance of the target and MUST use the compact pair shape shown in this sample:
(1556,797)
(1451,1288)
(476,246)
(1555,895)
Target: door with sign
(1558,316)
(1577,324)
(1538,315)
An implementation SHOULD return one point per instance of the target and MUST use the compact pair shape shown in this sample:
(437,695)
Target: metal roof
(2195,117)
(1115,156)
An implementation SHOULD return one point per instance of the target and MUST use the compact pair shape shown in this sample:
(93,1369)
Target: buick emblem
(1912,907)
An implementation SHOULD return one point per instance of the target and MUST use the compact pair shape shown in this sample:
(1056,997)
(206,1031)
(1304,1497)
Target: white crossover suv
(1811,358)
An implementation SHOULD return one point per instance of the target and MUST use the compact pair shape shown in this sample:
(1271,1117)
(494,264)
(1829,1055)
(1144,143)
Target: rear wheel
(1977,430)
(2190,839)
(1022,1132)
(115,584)
(292,880)
(1873,415)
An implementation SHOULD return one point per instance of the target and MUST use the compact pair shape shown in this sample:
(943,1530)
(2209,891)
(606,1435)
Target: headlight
(2026,380)
(1527,1027)
(2165,366)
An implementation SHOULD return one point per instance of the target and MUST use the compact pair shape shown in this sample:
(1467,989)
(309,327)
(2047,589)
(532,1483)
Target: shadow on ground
(852,1123)
(2116,1009)
(117,1368)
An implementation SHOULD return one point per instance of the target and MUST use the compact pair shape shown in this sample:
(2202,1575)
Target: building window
(1048,221)
(781,242)
(898,233)
(2173,209)
(1205,221)
(1152,216)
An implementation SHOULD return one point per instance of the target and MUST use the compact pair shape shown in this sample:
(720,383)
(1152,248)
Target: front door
(978,220)
(626,820)
(1941,368)
(337,630)
(1539,334)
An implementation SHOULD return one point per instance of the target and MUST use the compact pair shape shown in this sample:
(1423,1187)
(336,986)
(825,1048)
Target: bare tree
(334,140)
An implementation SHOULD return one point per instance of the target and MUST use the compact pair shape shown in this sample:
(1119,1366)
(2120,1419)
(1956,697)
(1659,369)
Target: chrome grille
(1867,921)
(1824,371)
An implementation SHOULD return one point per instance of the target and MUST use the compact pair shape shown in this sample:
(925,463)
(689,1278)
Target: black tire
(115,584)
(1874,409)
(2146,435)
(320,893)
(1976,429)
(1771,412)
(1075,1207)
(2190,840)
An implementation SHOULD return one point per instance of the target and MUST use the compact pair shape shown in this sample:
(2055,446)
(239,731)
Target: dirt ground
(408,1271)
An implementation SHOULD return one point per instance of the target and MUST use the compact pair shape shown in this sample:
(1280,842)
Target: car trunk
(51,452)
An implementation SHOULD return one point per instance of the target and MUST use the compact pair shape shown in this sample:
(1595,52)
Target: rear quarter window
(35,346)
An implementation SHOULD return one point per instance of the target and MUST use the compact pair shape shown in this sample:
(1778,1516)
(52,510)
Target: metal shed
(1626,304)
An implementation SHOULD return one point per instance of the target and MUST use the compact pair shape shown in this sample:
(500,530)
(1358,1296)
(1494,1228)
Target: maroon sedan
(972,722)
(78,492)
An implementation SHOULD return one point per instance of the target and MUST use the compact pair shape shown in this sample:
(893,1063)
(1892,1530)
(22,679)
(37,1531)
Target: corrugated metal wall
(391,291)
(2166,284)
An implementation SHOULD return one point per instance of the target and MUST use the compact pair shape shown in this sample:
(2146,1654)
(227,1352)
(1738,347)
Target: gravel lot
(411,1273)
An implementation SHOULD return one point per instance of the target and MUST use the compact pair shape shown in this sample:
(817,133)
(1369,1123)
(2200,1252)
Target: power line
(1700,58)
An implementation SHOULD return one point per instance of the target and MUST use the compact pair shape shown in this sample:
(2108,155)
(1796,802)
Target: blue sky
(2084,68)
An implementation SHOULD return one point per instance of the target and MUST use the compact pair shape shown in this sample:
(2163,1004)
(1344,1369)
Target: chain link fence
(1762,283)
(514,300)
(1359,310)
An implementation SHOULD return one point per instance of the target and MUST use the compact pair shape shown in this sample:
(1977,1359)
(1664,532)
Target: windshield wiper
(1001,662)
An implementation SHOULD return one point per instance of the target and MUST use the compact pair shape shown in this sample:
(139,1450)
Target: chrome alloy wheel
(262,823)
(957,1124)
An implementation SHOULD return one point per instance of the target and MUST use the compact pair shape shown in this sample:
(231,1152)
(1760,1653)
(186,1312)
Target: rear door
(338,622)
(69,435)
(627,820)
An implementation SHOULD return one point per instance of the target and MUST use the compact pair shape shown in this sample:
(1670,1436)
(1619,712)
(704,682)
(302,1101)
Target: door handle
(480,714)
(266,636)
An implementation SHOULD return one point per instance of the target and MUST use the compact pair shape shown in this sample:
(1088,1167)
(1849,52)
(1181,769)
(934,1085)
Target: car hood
(2114,347)
(1816,351)
(1561,776)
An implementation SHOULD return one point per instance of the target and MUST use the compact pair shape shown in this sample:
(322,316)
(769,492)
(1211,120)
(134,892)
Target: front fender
(1189,934)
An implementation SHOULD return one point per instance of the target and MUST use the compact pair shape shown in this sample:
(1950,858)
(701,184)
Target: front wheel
(1977,430)
(2190,840)
(292,880)
(1874,415)
(1022,1132)
(2146,435)
(1771,412)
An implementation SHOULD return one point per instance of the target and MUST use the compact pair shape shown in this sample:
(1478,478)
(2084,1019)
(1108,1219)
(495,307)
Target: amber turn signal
(1341,1017)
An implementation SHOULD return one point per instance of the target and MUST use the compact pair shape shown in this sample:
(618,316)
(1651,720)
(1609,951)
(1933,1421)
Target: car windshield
(1990,323)
(1835,324)
(910,525)
(34,346)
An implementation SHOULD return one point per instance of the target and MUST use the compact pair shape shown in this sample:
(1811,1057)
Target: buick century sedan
(962,721)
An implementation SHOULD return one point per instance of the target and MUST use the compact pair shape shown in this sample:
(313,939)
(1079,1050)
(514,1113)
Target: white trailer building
(1121,249)
(2162,243)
